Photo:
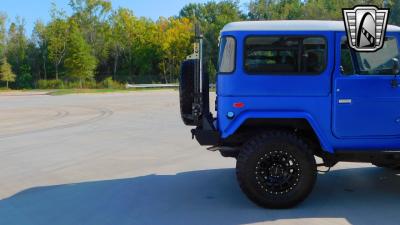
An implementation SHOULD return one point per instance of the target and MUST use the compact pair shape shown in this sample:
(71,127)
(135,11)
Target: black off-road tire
(186,91)
(276,153)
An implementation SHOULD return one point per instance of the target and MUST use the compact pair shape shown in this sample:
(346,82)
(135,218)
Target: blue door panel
(364,106)
(374,109)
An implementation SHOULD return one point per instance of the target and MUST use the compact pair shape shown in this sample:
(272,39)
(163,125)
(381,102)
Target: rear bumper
(207,137)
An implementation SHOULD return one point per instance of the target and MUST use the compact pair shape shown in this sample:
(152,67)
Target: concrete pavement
(116,159)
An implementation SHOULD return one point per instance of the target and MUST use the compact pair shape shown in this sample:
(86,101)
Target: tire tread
(252,146)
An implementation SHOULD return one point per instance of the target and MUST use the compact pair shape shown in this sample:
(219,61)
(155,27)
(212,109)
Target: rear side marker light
(238,105)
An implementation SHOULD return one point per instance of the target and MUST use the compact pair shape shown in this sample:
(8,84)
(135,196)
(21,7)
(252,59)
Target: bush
(24,81)
(109,83)
(86,84)
(50,84)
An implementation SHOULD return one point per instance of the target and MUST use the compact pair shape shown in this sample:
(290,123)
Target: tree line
(97,42)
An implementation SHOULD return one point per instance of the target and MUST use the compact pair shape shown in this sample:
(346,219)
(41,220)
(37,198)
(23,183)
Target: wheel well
(252,127)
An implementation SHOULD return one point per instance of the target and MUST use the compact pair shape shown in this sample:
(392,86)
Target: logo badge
(366,27)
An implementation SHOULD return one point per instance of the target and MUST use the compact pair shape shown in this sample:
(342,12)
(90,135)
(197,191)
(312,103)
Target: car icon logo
(366,27)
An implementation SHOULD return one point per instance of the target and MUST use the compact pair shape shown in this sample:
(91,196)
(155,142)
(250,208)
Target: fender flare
(242,117)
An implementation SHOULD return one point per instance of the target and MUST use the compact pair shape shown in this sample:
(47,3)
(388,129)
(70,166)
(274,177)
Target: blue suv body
(291,90)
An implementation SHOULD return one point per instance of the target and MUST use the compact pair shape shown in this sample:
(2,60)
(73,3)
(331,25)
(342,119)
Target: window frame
(235,55)
(286,73)
(352,57)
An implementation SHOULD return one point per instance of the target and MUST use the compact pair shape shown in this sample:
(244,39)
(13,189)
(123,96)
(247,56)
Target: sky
(32,10)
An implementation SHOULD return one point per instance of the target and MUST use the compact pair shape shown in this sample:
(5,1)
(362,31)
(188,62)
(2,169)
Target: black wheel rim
(277,172)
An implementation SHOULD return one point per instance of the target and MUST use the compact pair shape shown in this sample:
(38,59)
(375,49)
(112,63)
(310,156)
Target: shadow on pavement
(358,196)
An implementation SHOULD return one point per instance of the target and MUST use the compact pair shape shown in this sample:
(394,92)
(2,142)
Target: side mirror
(396,66)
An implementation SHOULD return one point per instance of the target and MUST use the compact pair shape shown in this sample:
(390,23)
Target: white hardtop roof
(292,25)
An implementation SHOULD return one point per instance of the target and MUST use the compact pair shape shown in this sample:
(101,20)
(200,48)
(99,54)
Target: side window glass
(285,55)
(381,61)
(314,55)
(227,55)
(347,66)
(272,55)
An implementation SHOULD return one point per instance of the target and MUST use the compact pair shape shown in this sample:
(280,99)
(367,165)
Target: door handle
(345,101)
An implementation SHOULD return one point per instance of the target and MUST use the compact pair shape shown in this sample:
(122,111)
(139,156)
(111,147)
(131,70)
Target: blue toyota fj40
(291,90)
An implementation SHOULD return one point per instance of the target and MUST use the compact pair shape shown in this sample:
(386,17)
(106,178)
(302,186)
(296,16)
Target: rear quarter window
(227,55)
(285,55)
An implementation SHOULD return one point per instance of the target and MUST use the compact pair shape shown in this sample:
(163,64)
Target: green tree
(79,62)
(32,69)
(145,48)
(259,9)
(17,44)
(120,24)
(310,9)
(96,41)
(40,38)
(175,45)
(332,10)
(6,72)
(127,34)
(134,45)
(57,33)
(213,16)
(92,19)
(2,34)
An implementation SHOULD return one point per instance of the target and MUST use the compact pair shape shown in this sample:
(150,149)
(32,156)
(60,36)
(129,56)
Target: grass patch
(102,91)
